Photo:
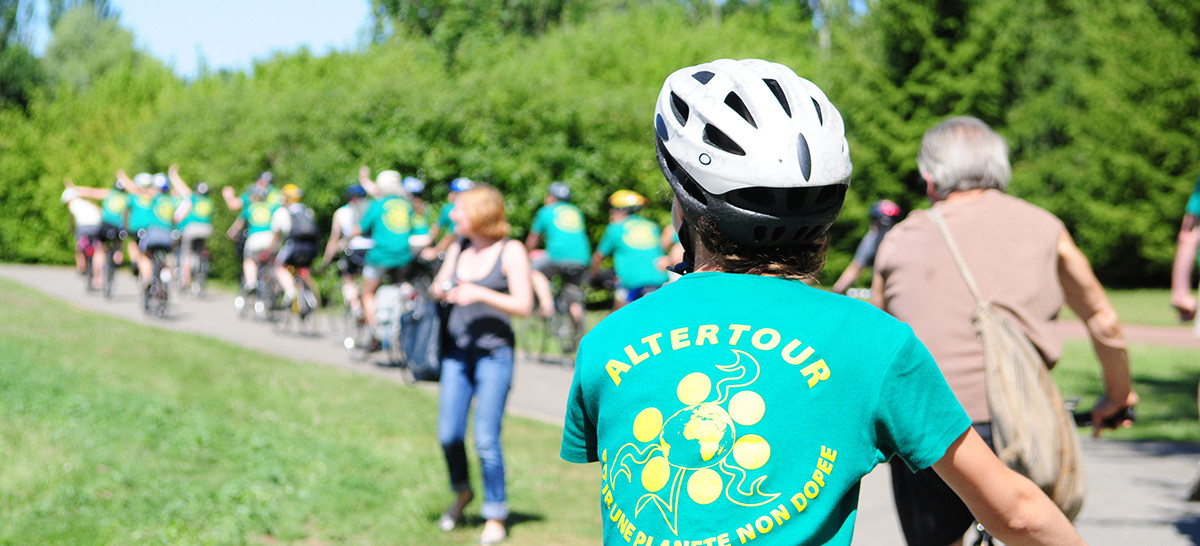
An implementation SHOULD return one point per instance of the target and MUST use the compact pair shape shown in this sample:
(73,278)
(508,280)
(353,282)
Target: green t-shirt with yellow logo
(140,212)
(200,212)
(561,225)
(257,216)
(112,208)
(735,409)
(634,244)
(162,212)
(388,221)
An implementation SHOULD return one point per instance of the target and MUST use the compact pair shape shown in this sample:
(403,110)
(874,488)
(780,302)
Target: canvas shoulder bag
(1032,431)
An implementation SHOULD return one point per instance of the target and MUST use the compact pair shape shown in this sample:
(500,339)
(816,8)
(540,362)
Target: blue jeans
(486,376)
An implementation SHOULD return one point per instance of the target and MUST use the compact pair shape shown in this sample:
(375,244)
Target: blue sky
(233,33)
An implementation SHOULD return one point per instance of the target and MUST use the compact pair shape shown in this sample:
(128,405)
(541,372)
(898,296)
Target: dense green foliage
(1099,103)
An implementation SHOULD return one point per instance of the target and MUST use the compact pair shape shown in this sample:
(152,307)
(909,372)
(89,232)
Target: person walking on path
(1025,263)
(738,402)
(485,277)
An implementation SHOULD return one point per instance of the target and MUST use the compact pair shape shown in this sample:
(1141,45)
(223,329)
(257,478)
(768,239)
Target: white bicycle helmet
(752,151)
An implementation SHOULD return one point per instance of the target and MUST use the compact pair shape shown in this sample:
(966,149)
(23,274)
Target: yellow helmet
(292,193)
(626,199)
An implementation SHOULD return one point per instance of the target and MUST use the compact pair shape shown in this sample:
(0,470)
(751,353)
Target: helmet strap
(689,256)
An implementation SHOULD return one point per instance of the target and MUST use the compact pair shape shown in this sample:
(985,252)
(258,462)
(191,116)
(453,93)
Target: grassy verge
(1165,378)
(1144,306)
(116,433)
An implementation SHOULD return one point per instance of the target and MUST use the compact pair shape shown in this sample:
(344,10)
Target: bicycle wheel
(307,306)
(357,337)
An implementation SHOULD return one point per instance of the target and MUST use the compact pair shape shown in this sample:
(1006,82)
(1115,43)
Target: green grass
(1164,377)
(119,433)
(1144,306)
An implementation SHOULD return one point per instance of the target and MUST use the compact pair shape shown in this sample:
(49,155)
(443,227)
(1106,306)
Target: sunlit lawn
(115,433)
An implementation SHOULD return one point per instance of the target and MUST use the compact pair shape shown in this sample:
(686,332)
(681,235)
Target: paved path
(1136,489)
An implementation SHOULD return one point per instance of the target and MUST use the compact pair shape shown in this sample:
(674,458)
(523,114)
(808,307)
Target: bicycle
(394,301)
(560,331)
(88,247)
(198,266)
(157,293)
(349,326)
(304,305)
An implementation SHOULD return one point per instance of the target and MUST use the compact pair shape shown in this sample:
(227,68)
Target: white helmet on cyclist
(389,182)
(752,151)
(143,180)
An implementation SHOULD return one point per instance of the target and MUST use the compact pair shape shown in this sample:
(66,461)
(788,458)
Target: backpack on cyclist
(1032,431)
(304,224)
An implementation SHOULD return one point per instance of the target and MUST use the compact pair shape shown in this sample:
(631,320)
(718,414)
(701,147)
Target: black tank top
(479,326)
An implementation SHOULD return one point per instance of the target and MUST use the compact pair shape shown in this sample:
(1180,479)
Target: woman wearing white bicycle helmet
(738,402)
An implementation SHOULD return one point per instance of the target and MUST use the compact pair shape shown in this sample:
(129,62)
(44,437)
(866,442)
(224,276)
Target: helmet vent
(660,128)
(803,155)
(820,117)
(778,92)
(680,109)
(703,76)
(715,137)
(735,102)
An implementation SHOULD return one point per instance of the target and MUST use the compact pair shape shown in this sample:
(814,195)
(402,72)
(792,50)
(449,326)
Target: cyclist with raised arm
(881,217)
(634,244)
(86,217)
(155,235)
(561,225)
(350,249)
(295,233)
(238,232)
(193,220)
(738,402)
(114,208)
(140,215)
(388,221)
(256,217)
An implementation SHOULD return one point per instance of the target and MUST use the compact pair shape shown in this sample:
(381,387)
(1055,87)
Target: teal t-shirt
(274,197)
(1193,204)
(444,223)
(140,212)
(561,226)
(200,212)
(388,221)
(162,208)
(635,246)
(729,408)
(112,208)
(257,215)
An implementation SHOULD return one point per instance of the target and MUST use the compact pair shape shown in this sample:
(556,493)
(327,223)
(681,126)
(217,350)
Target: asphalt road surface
(1137,491)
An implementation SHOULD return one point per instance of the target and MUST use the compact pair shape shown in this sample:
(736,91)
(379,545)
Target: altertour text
(793,352)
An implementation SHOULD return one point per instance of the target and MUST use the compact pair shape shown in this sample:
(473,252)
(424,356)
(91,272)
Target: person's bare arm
(847,278)
(235,228)
(532,240)
(877,292)
(442,279)
(364,180)
(1008,505)
(1085,296)
(181,187)
(1181,271)
(231,200)
(84,191)
(334,244)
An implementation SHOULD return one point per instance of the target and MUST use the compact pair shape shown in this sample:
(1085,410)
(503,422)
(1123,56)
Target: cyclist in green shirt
(633,242)
(388,221)
(443,231)
(193,220)
(738,403)
(256,218)
(155,231)
(561,225)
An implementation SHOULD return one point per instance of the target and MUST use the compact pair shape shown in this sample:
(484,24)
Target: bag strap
(954,253)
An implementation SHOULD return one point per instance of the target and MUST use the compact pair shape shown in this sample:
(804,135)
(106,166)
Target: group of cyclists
(384,234)
(150,215)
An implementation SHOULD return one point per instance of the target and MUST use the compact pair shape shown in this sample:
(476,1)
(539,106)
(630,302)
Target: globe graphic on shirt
(698,436)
